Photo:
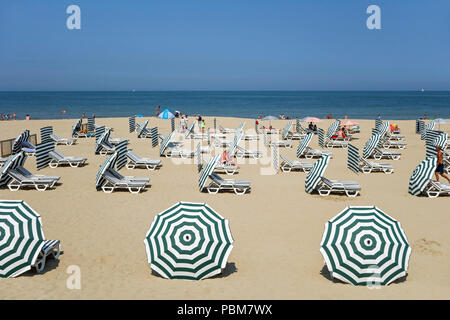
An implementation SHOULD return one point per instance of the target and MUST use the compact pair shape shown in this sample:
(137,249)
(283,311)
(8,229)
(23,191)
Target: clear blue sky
(224,45)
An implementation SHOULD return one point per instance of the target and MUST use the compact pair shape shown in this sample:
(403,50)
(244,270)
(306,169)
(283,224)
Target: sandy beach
(277,228)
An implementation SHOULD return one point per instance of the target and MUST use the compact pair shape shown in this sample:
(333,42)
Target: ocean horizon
(395,105)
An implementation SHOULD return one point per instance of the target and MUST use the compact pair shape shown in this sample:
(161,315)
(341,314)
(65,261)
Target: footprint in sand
(428,247)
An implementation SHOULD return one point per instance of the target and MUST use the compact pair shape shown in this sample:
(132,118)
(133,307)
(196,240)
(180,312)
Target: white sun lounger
(51,248)
(115,180)
(135,161)
(370,166)
(380,154)
(171,143)
(106,148)
(226,130)
(176,152)
(350,188)
(310,153)
(394,137)
(221,143)
(336,143)
(251,137)
(295,135)
(217,184)
(227,168)
(386,143)
(281,143)
(66,141)
(59,159)
(289,165)
(434,189)
(241,153)
(18,180)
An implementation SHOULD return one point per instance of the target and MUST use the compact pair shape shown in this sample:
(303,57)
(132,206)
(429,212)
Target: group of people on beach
(184,121)
(8,116)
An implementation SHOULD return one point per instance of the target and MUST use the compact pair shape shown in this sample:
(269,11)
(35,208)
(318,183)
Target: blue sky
(224,45)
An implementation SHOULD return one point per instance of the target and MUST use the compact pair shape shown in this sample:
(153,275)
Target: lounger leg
(239,193)
(350,194)
(40,265)
(40,187)
(53,164)
(13,187)
(130,165)
(136,191)
(56,254)
(107,189)
(213,190)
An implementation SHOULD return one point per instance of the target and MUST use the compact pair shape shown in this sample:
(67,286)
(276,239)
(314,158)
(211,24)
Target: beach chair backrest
(316,172)
(289,162)
(421,176)
(371,145)
(304,144)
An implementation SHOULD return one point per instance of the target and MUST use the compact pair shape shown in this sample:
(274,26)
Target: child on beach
(203,126)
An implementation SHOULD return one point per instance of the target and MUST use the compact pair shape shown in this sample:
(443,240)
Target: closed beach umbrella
(188,241)
(270,118)
(364,246)
(109,162)
(304,144)
(18,142)
(166,114)
(316,172)
(422,175)
(21,237)
(207,170)
(349,123)
(353,158)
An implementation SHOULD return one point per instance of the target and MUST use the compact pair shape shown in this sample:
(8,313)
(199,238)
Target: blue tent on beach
(166,114)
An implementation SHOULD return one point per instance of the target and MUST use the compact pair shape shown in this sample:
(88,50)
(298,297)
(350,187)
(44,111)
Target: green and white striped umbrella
(237,137)
(165,143)
(371,144)
(99,131)
(132,124)
(429,126)
(207,170)
(433,139)
(21,237)
(382,128)
(91,124)
(333,128)
(378,123)
(154,135)
(190,130)
(286,129)
(104,137)
(14,161)
(21,138)
(321,137)
(109,163)
(314,175)
(353,158)
(188,241)
(42,151)
(46,132)
(419,126)
(365,247)
(121,150)
(303,144)
(142,128)
(422,175)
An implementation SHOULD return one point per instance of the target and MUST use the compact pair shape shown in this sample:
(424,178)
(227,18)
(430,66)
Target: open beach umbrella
(353,158)
(371,144)
(310,119)
(422,175)
(364,246)
(440,121)
(21,237)
(314,175)
(207,170)
(333,128)
(166,114)
(434,139)
(349,123)
(165,143)
(18,142)
(269,118)
(303,144)
(109,163)
(188,241)
(429,126)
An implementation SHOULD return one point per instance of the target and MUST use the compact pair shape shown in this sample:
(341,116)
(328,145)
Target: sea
(246,104)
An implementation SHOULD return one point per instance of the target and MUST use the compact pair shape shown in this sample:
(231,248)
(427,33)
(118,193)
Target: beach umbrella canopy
(353,158)
(304,144)
(429,126)
(314,175)
(109,163)
(14,161)
(310,119)
(207,170)
(371,144)
(364,246)
(21,237)
(434,139)
(166,114)
(333,128)
(349,123)
(286,129)
(422,175)
(18,142)
(188,241)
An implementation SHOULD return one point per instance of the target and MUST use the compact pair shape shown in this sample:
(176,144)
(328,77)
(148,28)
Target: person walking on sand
(203,126)
(157,111)
(440,165)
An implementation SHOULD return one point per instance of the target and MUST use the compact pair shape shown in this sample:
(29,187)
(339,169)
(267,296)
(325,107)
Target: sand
(277,227)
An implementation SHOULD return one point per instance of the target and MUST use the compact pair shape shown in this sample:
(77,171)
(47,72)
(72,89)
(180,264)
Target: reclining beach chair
(289,165)
(2,161)
(58,140)
(383,154)
(331,143)
(176,152)
(217,184)
(59,159)
(226,130)
(350,188)
(115,180)
(135,161)
(241,152)
(172,143)
(434,189)
(393,136)
(219,143)
(106,148)
(228,168)
(386,143)
(250,137)
(51,249)
(370,166)
(20,177)
(310,153)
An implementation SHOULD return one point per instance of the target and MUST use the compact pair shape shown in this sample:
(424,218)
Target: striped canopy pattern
(314,175)
(378,123)
(100,140)
(76,127)
(275,158)
(190,130)
(207,170)
(121,149)
(333,128)
(42,150)
(321,137)
(142,128)
(14,161)
(21,237)
(198,152)
(434,139)
(99,131)
(165,143)
(371,144)
(383,128)
(297,125)
(46,132)
(364,246)
(429,126)
(109,163)
(419,126)
(154,135)
(172,123)
(21,138)
(422,175)
(286,129)
(303,144)
(132,124)
(91,124)
(188,241)
(353,158)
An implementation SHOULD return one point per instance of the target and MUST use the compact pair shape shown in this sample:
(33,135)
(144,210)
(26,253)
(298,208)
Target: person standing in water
(440,165)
